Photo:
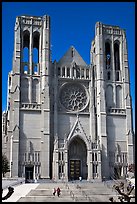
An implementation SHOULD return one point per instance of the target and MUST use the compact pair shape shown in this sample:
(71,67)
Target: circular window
(73,97)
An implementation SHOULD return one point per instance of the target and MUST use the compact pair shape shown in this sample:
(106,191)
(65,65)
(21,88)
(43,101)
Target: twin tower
(68,119)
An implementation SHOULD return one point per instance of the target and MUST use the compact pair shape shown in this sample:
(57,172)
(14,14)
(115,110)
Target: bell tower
(113,100)
(30,88)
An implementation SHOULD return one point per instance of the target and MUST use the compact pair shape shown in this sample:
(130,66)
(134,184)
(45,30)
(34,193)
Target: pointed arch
(35,54)
(35,90)
(36,37)
(24,90)
(109,96)
(68,72)
(117,55)
(26,38)
(108,54)
(78,129)
(77,159)
(118,96)
(25,54)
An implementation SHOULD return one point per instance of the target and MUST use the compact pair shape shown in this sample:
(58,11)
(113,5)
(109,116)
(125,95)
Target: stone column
(66,165)
(99,164)
(30,65)
(90,164)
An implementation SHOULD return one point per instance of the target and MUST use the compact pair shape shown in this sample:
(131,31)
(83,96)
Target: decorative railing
(117,111)
(114,31)
(30,106)
(29,21)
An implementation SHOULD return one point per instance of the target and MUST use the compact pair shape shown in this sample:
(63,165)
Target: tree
(131,168)
(10,192)
(5,164)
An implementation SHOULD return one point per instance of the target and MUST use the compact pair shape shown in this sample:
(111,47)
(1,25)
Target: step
(45,192)
(45,199)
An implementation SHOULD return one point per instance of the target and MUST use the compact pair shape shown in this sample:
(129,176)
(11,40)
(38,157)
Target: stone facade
(67,119)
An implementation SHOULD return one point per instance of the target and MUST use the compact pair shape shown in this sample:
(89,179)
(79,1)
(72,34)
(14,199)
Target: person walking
(54,192)
(58,191)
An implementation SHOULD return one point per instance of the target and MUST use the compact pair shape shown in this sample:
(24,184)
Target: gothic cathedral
(68,119)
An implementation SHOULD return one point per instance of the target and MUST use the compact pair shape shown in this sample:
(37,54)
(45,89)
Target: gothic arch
(68,71)
(118,96)
(35,90)
(77,158)
(108,54)
(117,55)
(36,37)
(109,95)
(25,56)
(26,38)
(24,90)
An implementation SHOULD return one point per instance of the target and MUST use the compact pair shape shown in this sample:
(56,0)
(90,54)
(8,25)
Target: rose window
(73,97)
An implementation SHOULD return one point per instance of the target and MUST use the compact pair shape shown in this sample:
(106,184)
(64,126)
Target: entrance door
(29,174)
(75,169)
(77,159)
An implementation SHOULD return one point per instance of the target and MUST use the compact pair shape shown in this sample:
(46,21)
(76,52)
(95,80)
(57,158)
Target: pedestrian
(54,192)
(58,191)
(80,178)
(129,186)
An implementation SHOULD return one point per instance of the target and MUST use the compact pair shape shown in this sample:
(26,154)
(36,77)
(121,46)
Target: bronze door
(75,169)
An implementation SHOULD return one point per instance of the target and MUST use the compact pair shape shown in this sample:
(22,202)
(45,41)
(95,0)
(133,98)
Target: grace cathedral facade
(68,119)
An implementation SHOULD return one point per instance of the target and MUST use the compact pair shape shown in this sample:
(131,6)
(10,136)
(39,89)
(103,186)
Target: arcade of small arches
(74,71)
(33,67)
(109,47)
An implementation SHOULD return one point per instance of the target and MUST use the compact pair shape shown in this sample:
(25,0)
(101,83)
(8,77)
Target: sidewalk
(6,182)
(19,191)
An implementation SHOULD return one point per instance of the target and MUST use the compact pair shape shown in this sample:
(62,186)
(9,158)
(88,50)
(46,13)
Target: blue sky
(72,23)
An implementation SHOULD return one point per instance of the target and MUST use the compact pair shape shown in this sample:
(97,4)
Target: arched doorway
(77,159)
(29,170)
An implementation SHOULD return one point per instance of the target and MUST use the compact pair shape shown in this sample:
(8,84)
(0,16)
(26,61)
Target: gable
(71,57)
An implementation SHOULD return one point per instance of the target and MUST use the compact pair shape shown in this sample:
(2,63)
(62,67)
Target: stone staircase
(44,193)
(72,192)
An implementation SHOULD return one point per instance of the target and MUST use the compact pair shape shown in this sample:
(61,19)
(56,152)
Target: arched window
(118,96)
(35,90)
(25,56)
(109,96)
(107,55)
(63,71)
(36,40)
(116,56)
(68,72)
(87,73)
(35,52)
(26,39)
(24,90)
(82,73)
(77,72)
